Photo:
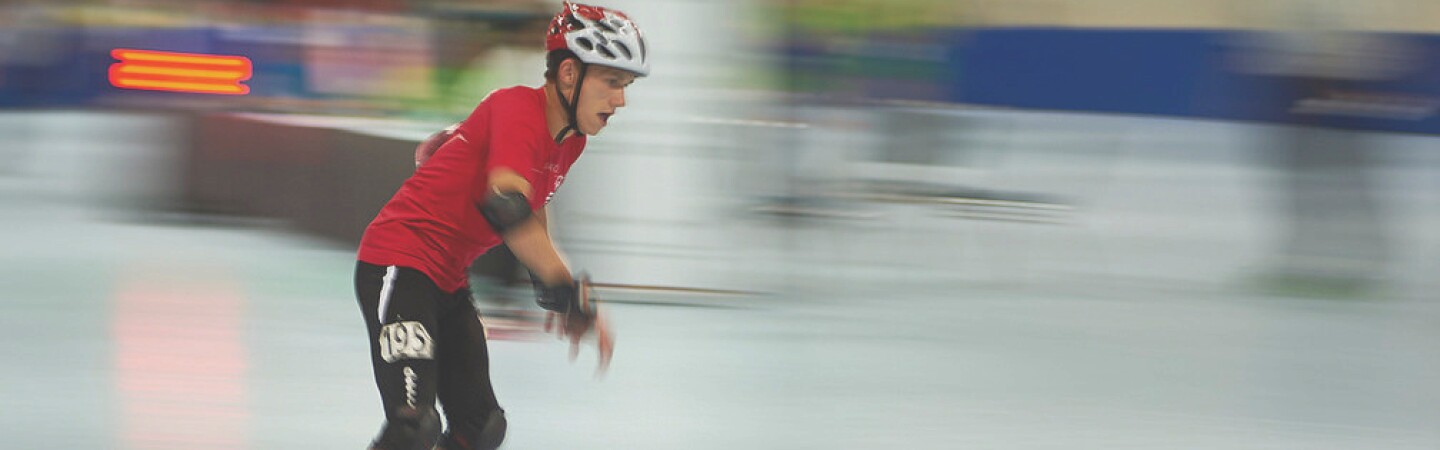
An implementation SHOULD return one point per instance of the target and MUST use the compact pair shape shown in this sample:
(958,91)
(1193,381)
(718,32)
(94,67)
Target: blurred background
(1019,224)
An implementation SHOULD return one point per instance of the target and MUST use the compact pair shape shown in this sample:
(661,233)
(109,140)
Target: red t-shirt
(433,224)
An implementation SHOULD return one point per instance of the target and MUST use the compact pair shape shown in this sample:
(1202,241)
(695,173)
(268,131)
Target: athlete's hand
(575,330)
(575,327)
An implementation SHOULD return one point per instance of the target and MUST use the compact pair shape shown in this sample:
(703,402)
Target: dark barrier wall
(324,181)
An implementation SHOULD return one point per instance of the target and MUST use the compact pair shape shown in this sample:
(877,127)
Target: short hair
(553,60)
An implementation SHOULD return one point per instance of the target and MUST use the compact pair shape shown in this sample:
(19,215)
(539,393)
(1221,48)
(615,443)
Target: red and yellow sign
(180,72)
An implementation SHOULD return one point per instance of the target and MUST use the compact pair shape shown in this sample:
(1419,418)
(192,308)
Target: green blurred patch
(865,16)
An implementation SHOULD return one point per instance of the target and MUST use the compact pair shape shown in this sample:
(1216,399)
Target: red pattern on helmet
(555,37)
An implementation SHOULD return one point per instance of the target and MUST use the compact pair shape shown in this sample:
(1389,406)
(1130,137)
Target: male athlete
(487,184)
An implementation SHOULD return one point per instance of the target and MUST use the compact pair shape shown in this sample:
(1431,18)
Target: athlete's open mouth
(605,118)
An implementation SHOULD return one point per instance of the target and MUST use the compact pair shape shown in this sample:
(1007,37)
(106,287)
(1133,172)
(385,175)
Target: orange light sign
(180,72)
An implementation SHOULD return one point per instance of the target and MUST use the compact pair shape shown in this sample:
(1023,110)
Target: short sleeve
(514,142)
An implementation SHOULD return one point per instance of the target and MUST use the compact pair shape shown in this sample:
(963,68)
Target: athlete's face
(602,94)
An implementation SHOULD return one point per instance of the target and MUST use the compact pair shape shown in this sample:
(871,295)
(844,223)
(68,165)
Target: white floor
(1134,326)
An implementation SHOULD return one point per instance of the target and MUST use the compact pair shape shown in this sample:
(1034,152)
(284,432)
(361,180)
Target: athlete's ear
(569,71)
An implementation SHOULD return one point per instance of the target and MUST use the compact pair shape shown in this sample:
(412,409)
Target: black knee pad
(409,429)
(477,433)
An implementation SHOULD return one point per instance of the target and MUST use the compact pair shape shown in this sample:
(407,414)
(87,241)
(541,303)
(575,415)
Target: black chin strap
(571,105)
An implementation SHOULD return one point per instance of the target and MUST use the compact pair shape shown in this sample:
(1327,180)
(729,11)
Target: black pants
(425,344)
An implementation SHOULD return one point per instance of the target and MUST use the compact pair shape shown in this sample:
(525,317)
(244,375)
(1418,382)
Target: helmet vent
(605,52)
(585,42)
(624,50)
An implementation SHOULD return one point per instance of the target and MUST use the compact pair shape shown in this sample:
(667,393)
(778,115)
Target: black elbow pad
(505,210)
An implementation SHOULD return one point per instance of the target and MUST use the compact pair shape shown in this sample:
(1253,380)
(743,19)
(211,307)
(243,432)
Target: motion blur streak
(180,364)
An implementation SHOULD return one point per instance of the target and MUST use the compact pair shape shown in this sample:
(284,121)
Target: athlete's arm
(529,239)
(524,231)
(433,143)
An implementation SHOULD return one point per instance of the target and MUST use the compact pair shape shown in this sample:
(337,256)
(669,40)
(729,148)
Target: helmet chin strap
(571,105)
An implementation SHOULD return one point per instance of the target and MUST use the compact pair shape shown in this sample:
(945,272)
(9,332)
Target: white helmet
(599,36)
